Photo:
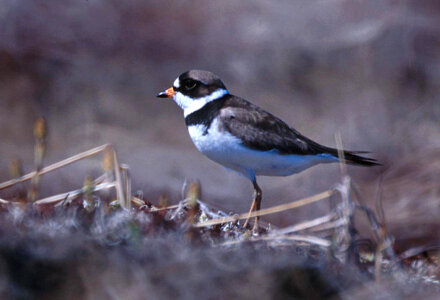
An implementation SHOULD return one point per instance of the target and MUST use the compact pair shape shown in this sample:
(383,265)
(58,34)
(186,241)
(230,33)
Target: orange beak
(169,93)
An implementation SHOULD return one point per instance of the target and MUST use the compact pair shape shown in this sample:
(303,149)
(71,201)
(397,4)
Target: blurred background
(369,70)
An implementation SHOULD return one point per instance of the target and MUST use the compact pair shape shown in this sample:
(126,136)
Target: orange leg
(249,216)
(256,203)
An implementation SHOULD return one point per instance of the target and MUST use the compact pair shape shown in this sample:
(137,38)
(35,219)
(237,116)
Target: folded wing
(262,131)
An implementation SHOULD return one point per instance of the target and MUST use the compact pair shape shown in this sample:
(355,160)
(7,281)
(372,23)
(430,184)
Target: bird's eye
(190,84)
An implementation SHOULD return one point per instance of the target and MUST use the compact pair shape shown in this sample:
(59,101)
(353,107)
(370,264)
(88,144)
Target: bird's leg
(250,211)
(255,205)
(257,199)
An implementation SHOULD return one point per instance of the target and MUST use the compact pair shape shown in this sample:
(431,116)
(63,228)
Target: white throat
(190,105)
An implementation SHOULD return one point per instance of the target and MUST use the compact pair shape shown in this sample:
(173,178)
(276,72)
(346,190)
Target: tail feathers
(352,158)
(359,152)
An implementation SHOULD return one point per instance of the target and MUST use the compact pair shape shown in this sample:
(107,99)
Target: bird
(245,138)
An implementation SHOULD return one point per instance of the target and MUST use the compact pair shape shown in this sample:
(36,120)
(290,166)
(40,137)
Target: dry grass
(110,194)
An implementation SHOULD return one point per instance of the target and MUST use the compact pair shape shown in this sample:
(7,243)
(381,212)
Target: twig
(415,251)
(379,231)
(384,242)
(88,190)
(193,194)
(341,155)
(119,184)
(299,238)
(331,225)
(54,166)
(3,201)
(72,194)
(154,209)
(304,225)
(270,210)
(137,201)
(379,205)
(127,181)
(40,135)
(378,257)
(375,225)
(16,171)
(343,237)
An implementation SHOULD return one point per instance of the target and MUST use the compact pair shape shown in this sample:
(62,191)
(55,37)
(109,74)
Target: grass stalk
(54,166)
(271,210)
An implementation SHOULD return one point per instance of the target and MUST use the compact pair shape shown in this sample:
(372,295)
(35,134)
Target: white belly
(227,150)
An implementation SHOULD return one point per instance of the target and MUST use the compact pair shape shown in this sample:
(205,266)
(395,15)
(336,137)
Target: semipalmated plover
(242,136)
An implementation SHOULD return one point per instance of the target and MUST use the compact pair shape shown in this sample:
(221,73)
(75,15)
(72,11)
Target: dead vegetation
(105,212)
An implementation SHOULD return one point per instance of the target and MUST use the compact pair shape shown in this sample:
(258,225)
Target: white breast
(214,143)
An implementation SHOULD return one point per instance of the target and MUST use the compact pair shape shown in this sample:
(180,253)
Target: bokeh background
(369,70)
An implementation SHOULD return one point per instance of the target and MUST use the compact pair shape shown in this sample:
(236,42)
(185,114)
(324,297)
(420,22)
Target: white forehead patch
(190,105)
(176,83)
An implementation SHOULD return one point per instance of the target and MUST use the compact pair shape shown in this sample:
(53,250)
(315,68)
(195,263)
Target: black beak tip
(161,95)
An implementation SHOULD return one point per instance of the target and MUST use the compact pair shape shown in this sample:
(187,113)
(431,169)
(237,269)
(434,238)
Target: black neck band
(206,114)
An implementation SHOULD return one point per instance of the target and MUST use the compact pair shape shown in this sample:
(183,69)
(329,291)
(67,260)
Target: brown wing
(260,130)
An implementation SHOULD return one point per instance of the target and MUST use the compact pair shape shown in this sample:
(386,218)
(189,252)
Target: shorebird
(244,137)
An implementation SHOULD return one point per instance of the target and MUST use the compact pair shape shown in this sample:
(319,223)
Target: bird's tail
(350,157)
(353,158)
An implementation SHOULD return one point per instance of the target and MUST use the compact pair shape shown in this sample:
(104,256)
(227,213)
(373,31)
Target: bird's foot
(256,229)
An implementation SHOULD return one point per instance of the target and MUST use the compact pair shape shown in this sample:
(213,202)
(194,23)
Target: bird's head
(193,89)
